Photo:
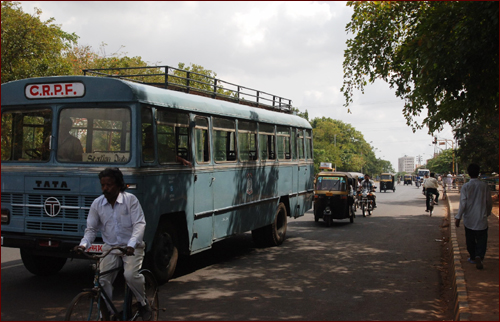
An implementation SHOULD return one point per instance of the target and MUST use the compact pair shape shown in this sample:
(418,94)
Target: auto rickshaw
(387,182)
(334,196)
(407,179)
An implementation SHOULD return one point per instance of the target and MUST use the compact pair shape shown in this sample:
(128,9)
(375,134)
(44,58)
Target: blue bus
(203,168)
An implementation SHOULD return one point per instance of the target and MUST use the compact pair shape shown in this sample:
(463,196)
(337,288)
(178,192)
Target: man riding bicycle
(119,217)
(431,187)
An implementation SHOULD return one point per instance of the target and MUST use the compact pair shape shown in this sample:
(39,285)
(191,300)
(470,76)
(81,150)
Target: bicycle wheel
(151,288)
(85,307)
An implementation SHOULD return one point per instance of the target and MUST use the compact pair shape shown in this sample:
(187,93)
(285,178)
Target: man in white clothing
(475,207)
(431,187)
(119,217)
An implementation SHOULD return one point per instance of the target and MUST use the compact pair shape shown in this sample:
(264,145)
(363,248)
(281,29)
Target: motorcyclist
(368,185)
(431,185)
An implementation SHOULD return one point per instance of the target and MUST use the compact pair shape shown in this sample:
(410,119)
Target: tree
(442,163)
(31,47)
(345,147)
(440,56)
(84,57)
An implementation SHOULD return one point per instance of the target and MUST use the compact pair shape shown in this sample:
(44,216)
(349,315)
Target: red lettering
(57,89)
(68,88)
(32,90)
(45,90)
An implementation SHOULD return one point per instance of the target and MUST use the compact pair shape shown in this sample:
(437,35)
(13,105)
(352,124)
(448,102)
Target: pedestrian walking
(475,207)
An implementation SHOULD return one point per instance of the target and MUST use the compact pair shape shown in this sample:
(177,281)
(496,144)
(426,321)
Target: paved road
(383,267)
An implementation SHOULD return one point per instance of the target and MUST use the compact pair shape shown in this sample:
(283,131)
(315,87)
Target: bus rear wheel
(275,233)
(164,254)
(41,265)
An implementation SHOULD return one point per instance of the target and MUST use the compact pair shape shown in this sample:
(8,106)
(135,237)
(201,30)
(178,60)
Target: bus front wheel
(41,265)
(164,254)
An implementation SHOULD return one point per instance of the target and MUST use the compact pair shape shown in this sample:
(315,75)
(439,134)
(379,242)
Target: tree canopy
(345,147)
(440,57)
(31,47)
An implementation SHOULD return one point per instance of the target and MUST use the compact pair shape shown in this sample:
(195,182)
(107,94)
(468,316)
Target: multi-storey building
(406,164)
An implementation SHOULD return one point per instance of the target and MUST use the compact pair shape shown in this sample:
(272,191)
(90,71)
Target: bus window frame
(207,145)
(217,128)
(268,144)
(19,110)
(252,130)
(89,141)
(281,134)
(176,126)
(301,143)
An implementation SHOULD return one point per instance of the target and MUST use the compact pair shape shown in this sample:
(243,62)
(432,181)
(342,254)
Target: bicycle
(431,202)
(90,304)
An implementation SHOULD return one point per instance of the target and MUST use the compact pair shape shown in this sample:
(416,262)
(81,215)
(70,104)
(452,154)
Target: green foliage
(479,144)
(199,77)
(31,47)
(345,147)
(304,115)
(442,163)
(440,56)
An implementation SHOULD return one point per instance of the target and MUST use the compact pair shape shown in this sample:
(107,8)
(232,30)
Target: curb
(461,308)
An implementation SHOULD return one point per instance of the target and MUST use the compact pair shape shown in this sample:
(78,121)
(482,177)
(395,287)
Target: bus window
(104,135)
(283,139)
(294,143)
(301,144)
(308,143)
(173,136)
(26,135)
(201,140)
(224,140)
(266,142)
(247,140)
(148,144)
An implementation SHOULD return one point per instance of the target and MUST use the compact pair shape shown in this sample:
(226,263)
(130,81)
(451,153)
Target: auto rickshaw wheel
(351,217)
(316,214)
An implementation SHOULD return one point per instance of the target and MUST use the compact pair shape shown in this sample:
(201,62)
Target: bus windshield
(84,135)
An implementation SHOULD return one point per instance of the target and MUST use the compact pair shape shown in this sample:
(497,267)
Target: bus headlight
(5,216)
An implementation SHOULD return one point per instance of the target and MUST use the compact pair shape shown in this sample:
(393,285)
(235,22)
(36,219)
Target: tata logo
(52,206)
(51,185)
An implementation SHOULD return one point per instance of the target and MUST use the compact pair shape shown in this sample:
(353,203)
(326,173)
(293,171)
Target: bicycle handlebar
(95,256)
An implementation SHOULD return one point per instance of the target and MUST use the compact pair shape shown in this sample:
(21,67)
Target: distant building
(406,164)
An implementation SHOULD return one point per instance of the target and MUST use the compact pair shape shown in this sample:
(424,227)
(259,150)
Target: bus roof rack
(194,83)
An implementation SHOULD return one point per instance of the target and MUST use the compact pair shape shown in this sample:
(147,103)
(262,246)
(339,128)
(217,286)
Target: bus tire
(162,258)
(41,265)
(275,233)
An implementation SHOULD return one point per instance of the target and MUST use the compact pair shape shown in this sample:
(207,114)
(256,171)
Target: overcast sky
(291,49)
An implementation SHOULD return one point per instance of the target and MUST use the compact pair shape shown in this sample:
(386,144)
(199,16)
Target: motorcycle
(366,203)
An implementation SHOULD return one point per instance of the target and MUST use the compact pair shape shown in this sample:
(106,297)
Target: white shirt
(431,183)
(475,204)
(120,225)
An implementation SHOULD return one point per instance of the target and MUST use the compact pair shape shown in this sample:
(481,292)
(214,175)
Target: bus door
(203,188)
(305,174)
(294,199)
